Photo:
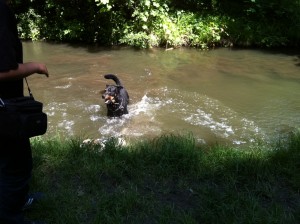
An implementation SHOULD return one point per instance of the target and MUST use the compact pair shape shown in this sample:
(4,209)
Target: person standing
(15,152)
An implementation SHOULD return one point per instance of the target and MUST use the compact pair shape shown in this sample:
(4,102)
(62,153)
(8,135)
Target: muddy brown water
(221,95)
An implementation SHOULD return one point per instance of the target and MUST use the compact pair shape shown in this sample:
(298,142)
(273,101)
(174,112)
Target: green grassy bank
(169,179)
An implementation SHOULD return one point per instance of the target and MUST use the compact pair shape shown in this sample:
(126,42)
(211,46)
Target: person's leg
(15,174)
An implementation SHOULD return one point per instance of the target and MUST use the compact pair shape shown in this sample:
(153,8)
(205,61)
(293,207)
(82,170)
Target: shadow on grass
(169,179)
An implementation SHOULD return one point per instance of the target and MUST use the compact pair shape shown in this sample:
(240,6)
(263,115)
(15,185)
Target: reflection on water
(232,96)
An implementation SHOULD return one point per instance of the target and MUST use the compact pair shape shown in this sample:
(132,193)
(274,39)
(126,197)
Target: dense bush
(268,23)
(168,23)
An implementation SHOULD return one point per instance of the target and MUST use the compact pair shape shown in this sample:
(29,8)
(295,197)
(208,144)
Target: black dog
(116,97)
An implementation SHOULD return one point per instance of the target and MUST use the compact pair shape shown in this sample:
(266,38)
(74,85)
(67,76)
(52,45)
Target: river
(234,96)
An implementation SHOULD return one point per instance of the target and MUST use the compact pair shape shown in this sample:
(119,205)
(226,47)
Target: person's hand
(30,68)
(39,68)
(43,69)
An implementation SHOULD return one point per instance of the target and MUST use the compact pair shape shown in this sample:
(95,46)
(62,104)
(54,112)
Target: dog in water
(116,97)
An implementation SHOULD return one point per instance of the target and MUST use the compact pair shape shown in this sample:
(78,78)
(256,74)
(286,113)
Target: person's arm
(24,70)
(10,69)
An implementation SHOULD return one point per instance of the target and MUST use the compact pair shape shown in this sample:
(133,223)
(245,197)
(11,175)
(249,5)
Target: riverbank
(169,179)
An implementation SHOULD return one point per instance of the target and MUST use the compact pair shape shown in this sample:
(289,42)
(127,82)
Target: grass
(169,179)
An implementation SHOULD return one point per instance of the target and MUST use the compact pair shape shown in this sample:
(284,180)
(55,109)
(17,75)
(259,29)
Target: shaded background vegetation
(168,23)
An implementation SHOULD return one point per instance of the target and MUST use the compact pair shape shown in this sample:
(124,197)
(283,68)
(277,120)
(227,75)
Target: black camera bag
(22,117)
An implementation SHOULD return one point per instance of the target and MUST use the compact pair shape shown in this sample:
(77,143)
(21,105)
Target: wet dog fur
(116,97)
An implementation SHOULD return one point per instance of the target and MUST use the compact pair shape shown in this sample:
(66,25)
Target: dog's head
(111,94)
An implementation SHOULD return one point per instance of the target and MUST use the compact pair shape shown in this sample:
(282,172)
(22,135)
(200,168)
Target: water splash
(200,114)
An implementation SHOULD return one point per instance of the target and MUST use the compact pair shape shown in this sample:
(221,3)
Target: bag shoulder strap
(29,90)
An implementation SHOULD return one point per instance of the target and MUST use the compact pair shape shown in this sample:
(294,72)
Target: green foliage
(167,23)
(146,17)
(208,32)
(30,27)
(266,23)
(177,29)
